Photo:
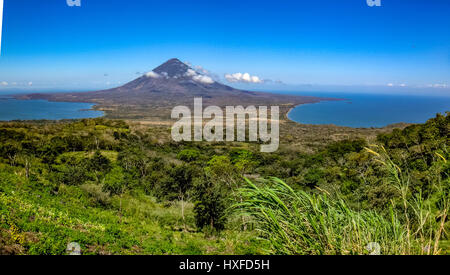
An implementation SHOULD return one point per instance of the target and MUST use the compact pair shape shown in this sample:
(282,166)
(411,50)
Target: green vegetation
(303,223)
(123,188)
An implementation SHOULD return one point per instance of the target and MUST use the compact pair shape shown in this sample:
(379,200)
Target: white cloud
(438,86)
(203,79)
(196,76)
(152,74)
(396,85)
(4,83)
(190,73)
(30,83)
(202,70)
(244,78)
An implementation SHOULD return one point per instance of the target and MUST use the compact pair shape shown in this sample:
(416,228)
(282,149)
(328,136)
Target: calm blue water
(357,110)
(370,110)
(11,109)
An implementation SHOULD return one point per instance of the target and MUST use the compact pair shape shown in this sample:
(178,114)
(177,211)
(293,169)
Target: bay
(12,109)
(369,110)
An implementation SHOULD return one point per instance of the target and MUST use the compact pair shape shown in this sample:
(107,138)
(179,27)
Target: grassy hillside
(121,188)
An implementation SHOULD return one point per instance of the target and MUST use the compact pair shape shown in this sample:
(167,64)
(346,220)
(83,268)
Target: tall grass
(424,225)
(317,224)
(303,223)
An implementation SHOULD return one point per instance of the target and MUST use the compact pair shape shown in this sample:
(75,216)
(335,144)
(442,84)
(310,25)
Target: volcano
(178,79)
(168,85)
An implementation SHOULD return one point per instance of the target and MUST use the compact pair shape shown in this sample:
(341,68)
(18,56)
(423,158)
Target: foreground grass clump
(298,222)
(423,212)
(302,223)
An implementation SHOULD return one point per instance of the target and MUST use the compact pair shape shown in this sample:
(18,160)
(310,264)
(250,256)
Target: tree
(210,204)
(244,161)
(223,173)
(116,183)
(189,155)
(181,184)
(99,164)
(72,171)
(221,170)
(313,177)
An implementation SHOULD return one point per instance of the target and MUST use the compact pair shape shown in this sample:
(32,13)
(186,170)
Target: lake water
(357,110)
(369,110)
(12,109)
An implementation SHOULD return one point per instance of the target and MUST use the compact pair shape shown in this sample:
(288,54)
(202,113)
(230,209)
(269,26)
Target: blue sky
(402,46)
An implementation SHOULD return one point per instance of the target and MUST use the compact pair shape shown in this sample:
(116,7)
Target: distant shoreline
(138,107)
(153,105)
(287,114)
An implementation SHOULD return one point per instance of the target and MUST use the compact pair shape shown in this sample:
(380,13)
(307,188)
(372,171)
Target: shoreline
(95,107)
